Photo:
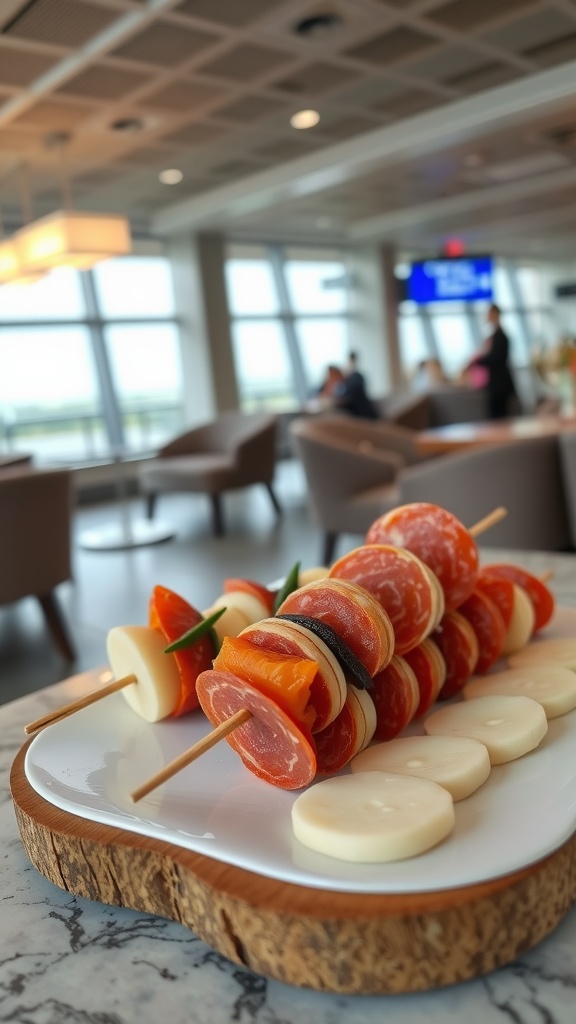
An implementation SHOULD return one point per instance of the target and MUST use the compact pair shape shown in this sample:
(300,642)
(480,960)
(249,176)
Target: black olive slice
(352,667)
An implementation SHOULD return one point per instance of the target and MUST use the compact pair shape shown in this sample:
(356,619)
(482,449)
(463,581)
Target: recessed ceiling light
(305,119)
(171,176)
(127,124)
(317,25)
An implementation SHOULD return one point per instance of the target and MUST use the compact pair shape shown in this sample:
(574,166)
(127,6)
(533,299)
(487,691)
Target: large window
(89,363)
(451,332)
(289,310)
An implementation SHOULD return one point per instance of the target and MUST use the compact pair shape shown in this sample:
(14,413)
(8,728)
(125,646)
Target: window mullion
(287,319)
(110,407)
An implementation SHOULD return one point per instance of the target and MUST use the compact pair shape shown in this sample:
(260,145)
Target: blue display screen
(463,279)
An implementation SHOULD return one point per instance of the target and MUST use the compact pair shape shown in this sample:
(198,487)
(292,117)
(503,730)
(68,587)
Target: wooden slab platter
(331,941)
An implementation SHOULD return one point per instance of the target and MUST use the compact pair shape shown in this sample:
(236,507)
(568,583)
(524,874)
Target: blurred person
(490,369)
(351,395)
(429,374)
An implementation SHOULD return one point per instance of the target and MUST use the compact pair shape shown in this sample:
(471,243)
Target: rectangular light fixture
(11,270)
(72,239)
(9,265)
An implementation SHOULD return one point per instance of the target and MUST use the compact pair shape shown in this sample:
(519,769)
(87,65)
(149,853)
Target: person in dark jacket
(494,358)
(351,394)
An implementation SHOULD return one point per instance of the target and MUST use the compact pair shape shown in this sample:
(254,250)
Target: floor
(113,588)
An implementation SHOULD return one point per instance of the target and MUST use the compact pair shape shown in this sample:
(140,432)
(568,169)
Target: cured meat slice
(458,644)
(356,616)
(488,624)
(429,667)
(347,735)
(270,744)
(284,678)
(173,616)
(541,596)
(328,689)
(396,697)
(439,539)
(500,590)
(240,585)
(401,583)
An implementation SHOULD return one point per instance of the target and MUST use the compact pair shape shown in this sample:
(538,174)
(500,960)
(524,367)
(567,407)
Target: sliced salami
(458,644)
(429,667)
(396,697)
(328,689)
(439,539)
(541,596)
(488,624)
(347,735)
(270,744)
(500,590)
(355,614)
(401,583)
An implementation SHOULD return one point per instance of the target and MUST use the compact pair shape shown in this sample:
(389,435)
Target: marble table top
(65,960)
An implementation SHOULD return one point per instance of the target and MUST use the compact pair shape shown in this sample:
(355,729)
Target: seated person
(351,395)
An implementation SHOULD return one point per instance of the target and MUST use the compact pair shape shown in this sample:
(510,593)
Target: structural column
(202,312)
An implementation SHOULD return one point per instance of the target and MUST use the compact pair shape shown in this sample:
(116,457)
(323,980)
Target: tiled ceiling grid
(214,82)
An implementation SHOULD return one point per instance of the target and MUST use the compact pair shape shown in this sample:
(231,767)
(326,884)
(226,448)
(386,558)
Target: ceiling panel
(164,44)
(392,46)
(20,67)
(63,22)
(209,85)
(228,12)
(245,63)
(104,82)
(465,15)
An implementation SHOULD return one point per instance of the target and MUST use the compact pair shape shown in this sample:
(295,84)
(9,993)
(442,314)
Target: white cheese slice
(561,650)
(457,763)
(522,623)
(553,686)
(139,650)
(251,606)
(508,726)
(372,816)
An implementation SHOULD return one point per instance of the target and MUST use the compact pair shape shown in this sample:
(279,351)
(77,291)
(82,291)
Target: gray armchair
(35,542)
(524,476)
(235,450)
(351,468)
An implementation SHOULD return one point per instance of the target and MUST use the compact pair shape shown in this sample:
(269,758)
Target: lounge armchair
(524,476)
(351,468)
(35,542)
(234,451)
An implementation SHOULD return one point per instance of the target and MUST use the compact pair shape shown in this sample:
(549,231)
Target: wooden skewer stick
(192,753)
(545,576)
(77,705)
(488,521)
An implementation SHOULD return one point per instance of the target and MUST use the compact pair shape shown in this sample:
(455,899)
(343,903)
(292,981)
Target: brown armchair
(351,468)
(523,476)
(235,450)
(35,542)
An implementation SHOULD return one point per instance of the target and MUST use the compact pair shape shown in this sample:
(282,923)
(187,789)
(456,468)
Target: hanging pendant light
(68,237)
(11,268)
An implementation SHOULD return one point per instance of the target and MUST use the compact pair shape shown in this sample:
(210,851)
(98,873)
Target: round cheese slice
(508,726)
(522,622)
(312,574)
(553,686)
(139,651)
(231,622)
(372,816)
(457,763)
(560,650)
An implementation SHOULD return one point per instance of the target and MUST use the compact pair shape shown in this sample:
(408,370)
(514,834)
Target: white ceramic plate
(89,763)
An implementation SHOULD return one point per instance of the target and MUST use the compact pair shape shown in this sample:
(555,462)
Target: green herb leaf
(290,584)
(196,633)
